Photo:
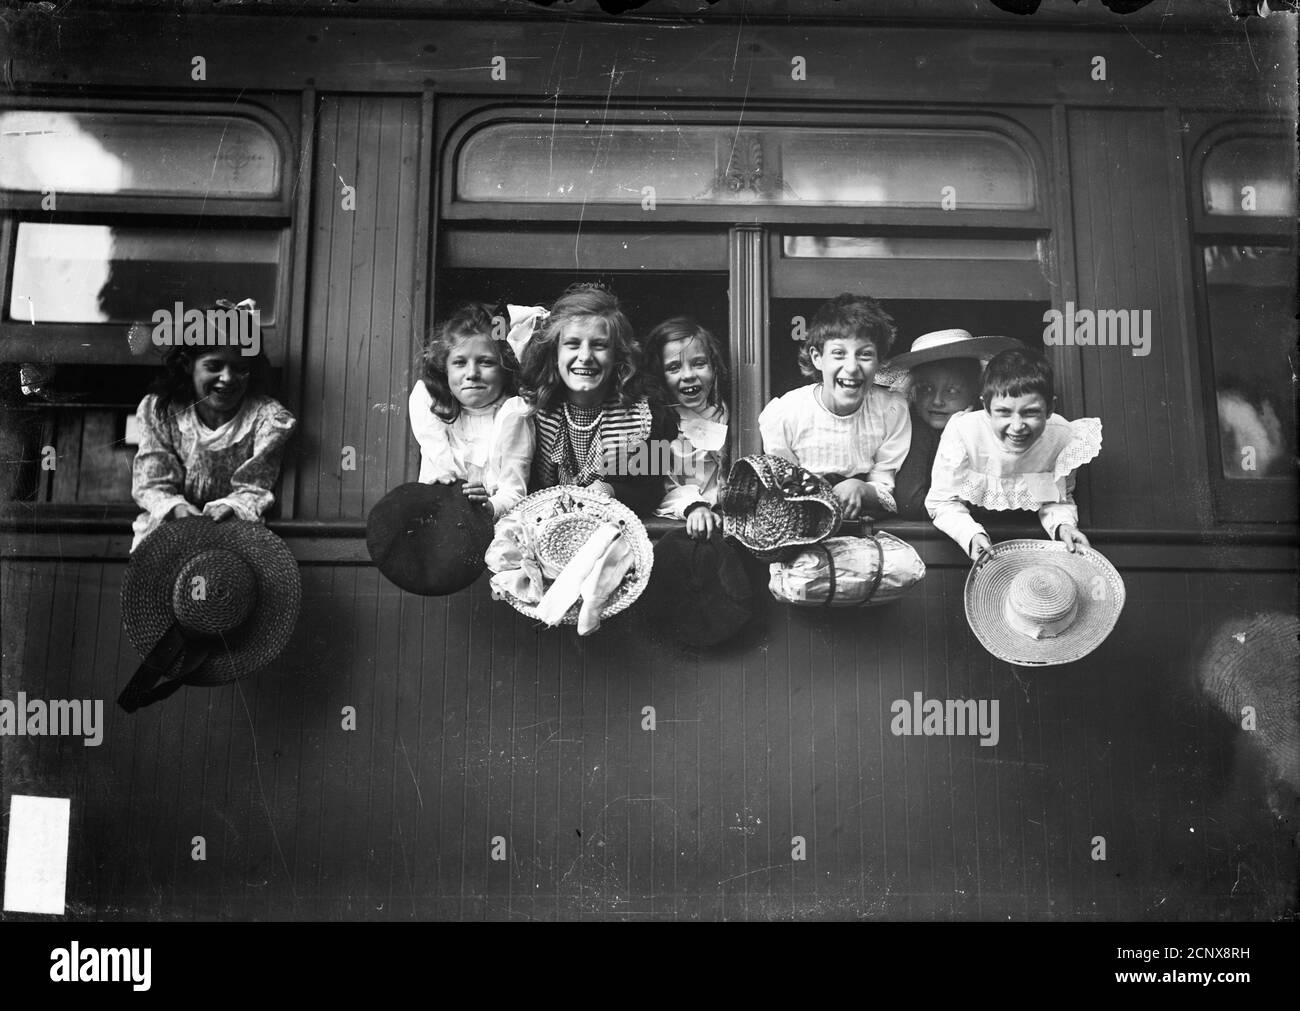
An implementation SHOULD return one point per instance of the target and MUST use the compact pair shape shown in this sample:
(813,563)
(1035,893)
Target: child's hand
(218,511)
(856,496)
(183,510)
(475,492)
(1071,537)
(701,522)
(603,487)
(978,545)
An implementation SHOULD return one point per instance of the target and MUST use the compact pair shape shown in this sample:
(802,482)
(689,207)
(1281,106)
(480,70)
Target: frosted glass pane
(595,162)
(1251,177)
(872,247)
(98,274)
(146,153)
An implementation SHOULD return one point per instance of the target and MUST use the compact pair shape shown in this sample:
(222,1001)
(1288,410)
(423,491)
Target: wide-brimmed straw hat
(560,520)
(429,538)
(206,603)
(1252,662)
(1037,604)
(771,506)
(938,345)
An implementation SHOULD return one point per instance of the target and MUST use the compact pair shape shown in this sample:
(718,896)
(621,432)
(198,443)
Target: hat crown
(940,338)
(1042,601)
(214,592)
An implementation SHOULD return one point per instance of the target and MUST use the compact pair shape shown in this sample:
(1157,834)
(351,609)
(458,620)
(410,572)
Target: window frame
(465,116)
(1262,500)
(104,343)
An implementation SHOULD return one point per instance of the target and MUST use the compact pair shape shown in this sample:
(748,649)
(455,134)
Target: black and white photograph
(649,460)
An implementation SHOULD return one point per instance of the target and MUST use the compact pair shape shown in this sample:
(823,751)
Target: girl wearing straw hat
(941,377)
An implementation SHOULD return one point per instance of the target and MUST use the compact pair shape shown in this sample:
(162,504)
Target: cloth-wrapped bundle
(848,572)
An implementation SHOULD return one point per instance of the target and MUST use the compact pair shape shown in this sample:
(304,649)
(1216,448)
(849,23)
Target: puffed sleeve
(892,451)
(1052,514)
(1083,447)
(437,462)
(513,441)
(157,474)
(773,427)
(943,502)
(251,483)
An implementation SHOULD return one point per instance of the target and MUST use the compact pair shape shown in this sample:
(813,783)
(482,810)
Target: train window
(155,154)
(1251,300)
(594,161)
(872,247)
(1249,177)
(73,273)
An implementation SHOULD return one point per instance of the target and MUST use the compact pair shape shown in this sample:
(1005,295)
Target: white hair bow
(524,320)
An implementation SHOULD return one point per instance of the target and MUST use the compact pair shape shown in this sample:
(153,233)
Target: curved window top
(627,163)
(1250,177)
(154,154)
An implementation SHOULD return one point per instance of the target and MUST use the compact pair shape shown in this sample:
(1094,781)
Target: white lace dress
(972,467)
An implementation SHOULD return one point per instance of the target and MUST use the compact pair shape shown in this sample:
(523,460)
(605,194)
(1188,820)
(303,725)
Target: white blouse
(972,466)
(873,440)
(696,456)
(493,444)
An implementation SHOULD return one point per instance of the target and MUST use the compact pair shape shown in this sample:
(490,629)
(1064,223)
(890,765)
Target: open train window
(1246,254)
(109,214)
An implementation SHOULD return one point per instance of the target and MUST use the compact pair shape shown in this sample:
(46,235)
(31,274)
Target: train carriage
(361,168)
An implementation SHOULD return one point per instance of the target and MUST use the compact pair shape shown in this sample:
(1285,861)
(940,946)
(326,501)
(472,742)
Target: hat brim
(1099,591)
(151,575)
(429,539)
(976,347)
(541,506)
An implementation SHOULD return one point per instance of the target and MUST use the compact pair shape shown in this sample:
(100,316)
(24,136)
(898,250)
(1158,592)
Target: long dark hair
(683,328)
(473,319)
(540,381)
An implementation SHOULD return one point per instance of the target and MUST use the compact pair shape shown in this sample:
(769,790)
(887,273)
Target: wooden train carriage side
(368,171)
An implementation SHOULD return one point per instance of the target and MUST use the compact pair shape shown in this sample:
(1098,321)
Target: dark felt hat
(699,592)
(429,538)
(206,603)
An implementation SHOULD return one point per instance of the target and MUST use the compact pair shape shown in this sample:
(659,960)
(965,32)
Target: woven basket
(1097,598)
(772,506)
(560,520)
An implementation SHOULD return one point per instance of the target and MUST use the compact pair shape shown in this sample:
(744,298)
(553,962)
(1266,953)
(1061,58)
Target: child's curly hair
(683,328)
(844,317)
(1016,373)
(540,383)
(473,319)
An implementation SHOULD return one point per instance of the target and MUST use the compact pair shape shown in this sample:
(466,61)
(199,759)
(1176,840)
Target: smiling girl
(693,375)
(1014,454)
(210,442)
(581,375)
(468,425)
(842,427)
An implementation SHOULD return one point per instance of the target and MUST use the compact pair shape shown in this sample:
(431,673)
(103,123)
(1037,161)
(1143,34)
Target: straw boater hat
(936,346)
(206,603)
(1037,604)
(1252,662)
(560,520)
(770,505)
(429,538)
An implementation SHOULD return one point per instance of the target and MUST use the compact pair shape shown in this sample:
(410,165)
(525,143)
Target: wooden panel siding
(360,344)
(1152,468)
(472,725)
